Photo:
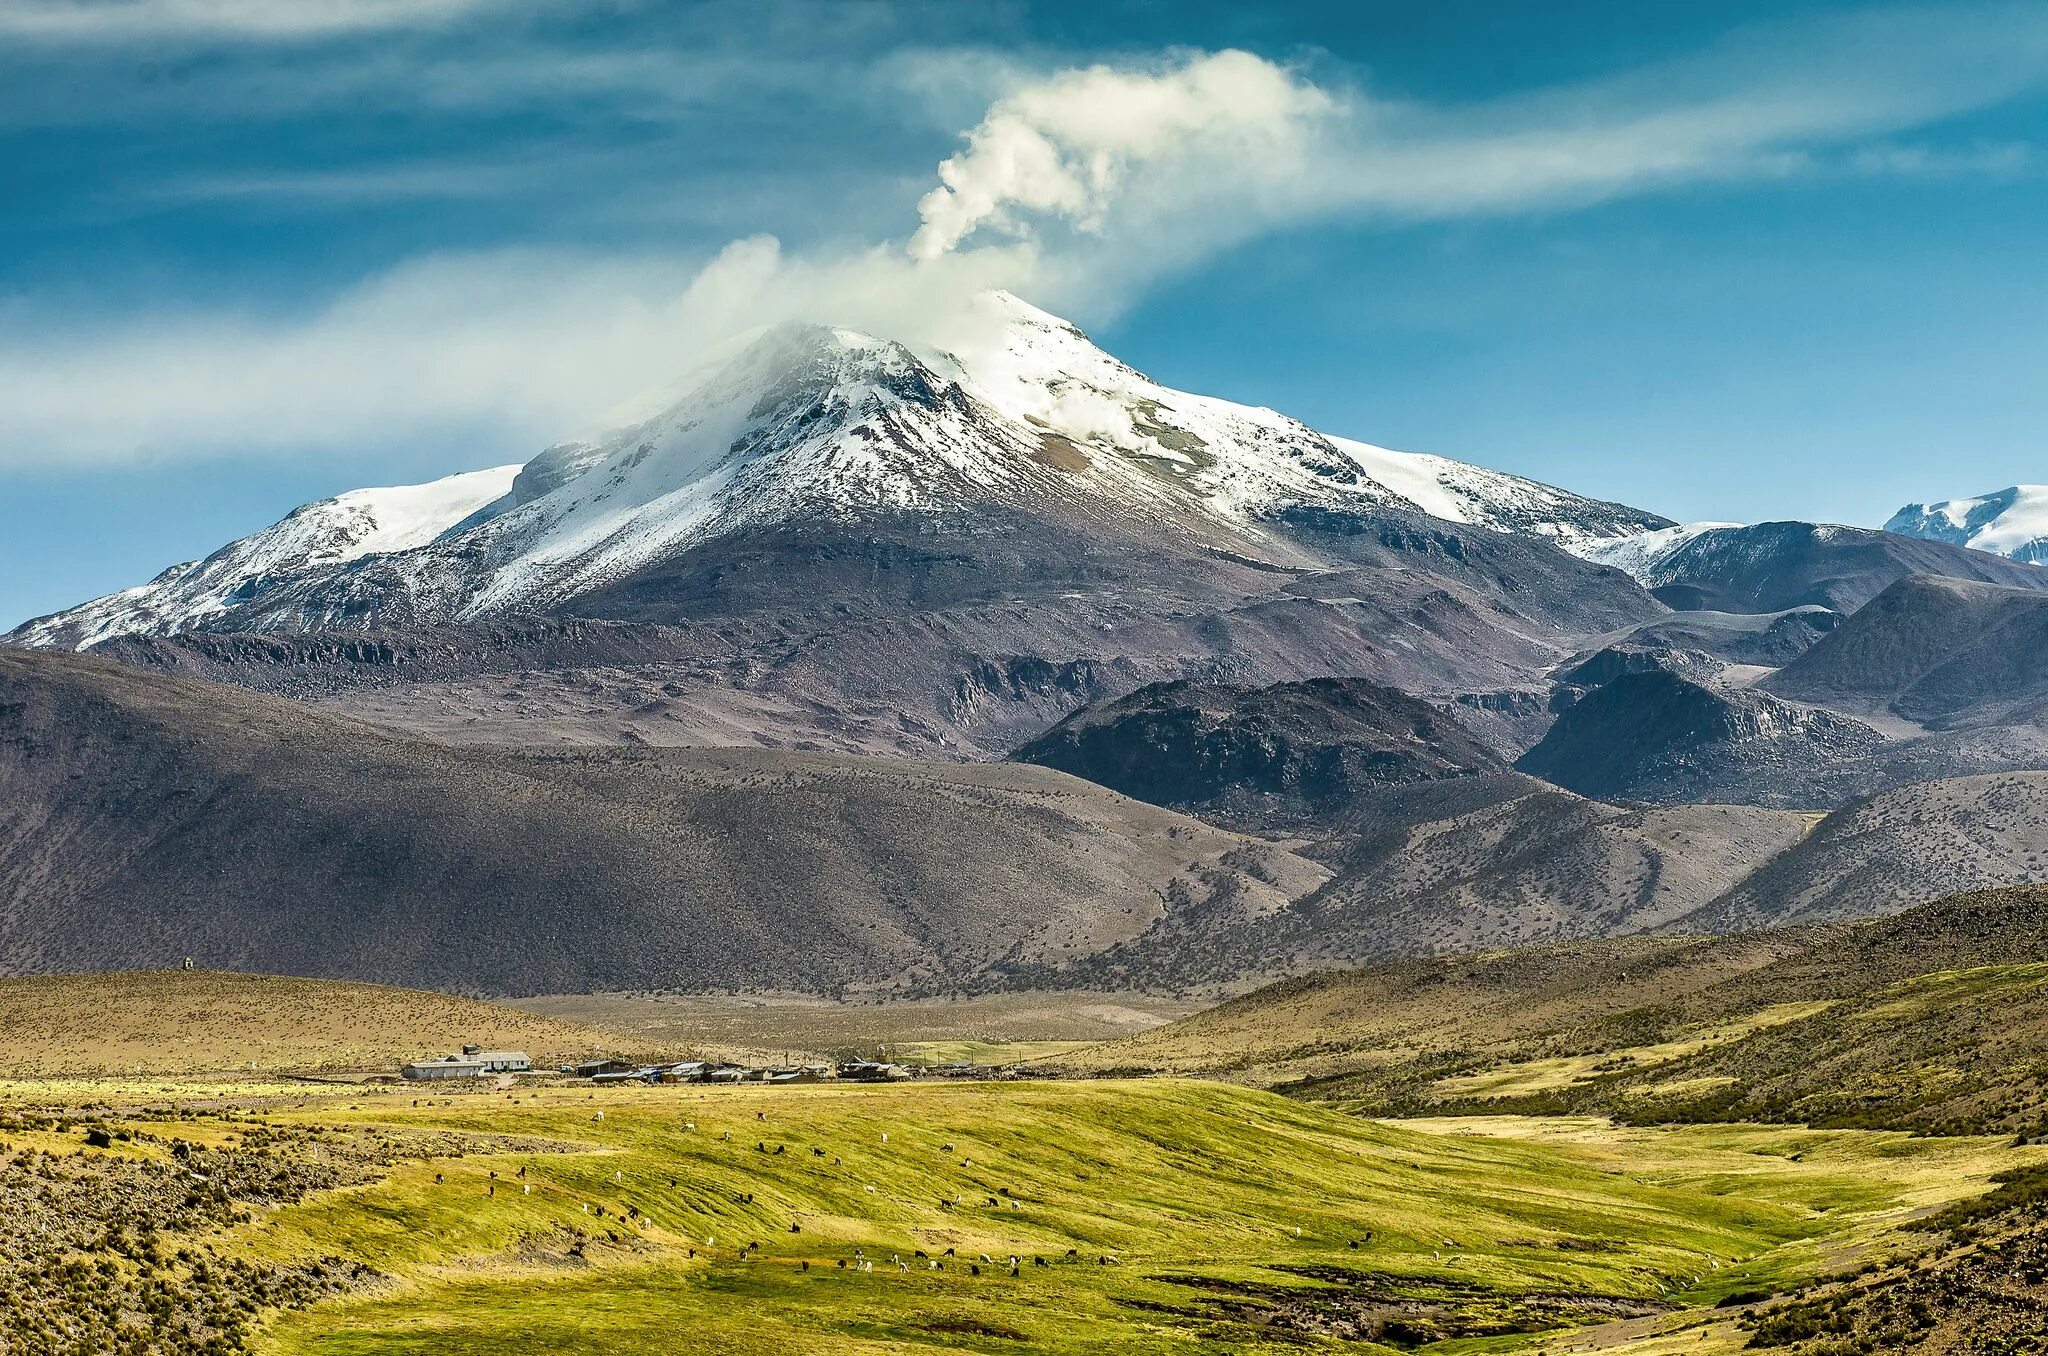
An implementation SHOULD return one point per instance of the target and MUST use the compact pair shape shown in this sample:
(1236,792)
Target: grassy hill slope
(1932,1019)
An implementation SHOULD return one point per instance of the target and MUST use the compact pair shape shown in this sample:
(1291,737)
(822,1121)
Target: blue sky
(1734,261)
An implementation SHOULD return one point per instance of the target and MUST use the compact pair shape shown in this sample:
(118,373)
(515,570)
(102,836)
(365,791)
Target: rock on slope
(144,819)
(1273,753)
(2011,522)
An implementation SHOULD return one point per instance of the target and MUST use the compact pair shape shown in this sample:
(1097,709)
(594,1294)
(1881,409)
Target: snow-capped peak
(805,422)
(1241,459)
(2012,522)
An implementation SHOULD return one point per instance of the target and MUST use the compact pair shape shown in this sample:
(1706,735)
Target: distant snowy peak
(316,536)
(816,423)
(2013,522)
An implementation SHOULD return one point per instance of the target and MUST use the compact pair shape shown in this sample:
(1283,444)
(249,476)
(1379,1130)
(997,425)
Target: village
(473,1062)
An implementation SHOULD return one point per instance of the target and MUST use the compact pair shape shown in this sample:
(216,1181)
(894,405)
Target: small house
(800,1073)
(447,1066)
(499,1061)
(689,1071)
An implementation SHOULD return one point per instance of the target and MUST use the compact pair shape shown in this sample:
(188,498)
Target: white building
(471,1063)
(500,1061)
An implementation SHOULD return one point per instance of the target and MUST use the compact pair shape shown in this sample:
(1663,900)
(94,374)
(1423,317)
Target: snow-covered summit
(1244,460)
(2012,522)
(816,423)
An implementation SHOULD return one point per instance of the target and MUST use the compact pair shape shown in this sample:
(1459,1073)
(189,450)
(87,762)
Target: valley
(1301,896)
(1162,1214)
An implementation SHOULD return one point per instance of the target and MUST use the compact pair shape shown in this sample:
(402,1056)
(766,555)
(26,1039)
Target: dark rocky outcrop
(1275,754)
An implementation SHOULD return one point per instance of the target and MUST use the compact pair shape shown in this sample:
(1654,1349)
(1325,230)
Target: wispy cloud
(1078,187)
(516,345)
(1998,160)
(132,21)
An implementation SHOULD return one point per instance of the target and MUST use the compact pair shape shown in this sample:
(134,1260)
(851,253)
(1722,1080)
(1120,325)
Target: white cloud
(1147,167)
(2001,159)
(1071,145)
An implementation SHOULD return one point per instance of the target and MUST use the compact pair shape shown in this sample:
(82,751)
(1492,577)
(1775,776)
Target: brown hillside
(144,818)
(206,1021)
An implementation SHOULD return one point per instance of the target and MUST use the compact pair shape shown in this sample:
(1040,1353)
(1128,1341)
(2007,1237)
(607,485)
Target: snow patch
(1639,554)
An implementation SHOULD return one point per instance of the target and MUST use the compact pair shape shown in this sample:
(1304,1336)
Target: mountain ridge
(1774,566)
(810,422)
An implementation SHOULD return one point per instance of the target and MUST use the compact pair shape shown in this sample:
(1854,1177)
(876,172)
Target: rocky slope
(1659,735)
(1940,652)
(1898,848)
(1768,639)
(324,535)
(1448,865)
(145,819)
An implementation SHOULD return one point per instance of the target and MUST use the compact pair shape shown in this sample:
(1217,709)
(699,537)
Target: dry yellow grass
(1548,1075)
(986,1028)
(194,1021)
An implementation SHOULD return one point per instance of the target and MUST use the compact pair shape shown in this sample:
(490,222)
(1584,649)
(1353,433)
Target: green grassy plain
(1229,1214)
